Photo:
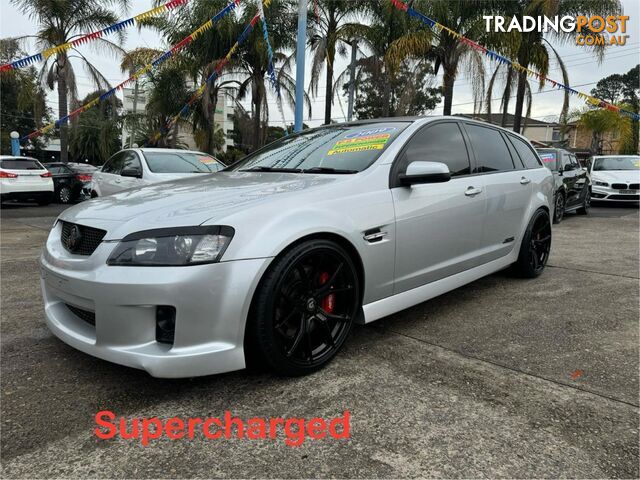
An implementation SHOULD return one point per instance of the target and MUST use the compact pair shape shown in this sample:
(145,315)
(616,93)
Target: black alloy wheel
(535,247)
(558,212)
(305,307)
(586,204)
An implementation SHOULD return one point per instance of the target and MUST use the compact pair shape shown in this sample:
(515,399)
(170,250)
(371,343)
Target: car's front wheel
(586,205)
(558,211)
(535,247)
(304,308)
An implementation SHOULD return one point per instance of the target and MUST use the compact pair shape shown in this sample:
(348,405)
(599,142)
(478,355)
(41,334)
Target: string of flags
(270,64)
(116,27)
(163,57)
(216,73)
(496,57)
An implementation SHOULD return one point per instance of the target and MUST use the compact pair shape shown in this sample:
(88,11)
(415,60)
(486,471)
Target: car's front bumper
(211,301)
(600,193)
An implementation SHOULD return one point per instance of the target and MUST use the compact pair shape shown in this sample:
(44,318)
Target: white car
(615,178)
(24,178)
(136,167)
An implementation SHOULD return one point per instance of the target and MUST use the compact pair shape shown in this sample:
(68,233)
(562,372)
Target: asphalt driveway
(501,378)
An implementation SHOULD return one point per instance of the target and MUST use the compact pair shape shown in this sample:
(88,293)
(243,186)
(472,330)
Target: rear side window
(492,154)
(549,159)
(525,152)
(442,143)
(19,164)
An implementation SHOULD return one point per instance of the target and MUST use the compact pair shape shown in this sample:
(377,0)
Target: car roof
(425,119)
(13,157)
(616,156)
(161,150)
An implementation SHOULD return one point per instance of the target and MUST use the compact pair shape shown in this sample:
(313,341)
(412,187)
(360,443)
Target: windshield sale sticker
(548,157)
(359,144)
(369,132)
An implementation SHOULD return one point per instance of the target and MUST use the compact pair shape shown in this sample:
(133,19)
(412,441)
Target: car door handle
(524,181)
(117,181)
(472,191)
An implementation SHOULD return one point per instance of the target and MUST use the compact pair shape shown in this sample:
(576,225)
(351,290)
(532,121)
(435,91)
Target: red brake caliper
(328,302)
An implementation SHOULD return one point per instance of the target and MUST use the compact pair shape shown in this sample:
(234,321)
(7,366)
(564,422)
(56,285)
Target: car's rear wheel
(64,195)
(558,211)
(304,308)
(535,247)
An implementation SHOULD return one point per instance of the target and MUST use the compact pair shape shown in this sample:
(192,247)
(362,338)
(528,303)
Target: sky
(584,71)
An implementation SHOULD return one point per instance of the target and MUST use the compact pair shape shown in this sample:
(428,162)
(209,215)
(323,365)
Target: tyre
(94,194)
(64,195)
(303,309)
(535,247)
(558,211)
(586,205)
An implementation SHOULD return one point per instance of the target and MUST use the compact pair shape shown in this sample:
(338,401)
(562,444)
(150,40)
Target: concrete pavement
(501,378)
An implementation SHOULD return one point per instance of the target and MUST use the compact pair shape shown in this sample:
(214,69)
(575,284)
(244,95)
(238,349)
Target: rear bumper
(211,301)
(11,187)
(37,195)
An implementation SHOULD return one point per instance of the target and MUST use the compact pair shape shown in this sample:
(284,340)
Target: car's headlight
(600,184)
(172,246)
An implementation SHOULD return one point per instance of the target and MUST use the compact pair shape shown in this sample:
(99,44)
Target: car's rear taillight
(8,175)
(45,175)
(84,178)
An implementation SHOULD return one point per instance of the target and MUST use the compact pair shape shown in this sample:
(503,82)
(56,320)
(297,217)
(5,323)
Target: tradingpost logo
(591,30)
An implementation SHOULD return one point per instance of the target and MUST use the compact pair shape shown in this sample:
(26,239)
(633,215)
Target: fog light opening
(165,324)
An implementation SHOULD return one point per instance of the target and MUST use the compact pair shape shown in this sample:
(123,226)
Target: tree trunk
(62,107)
(331,50)
(257,123)
(213,102)
(448,80)
(134,118)
(517,119)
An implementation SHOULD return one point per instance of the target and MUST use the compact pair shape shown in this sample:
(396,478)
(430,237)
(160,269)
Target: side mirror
(425,172)
(131,172)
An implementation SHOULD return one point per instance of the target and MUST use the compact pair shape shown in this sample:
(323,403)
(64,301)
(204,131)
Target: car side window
(492,154)
(566,161)
(525,152)
(131,161)
(574,161)
(55,169)
(114,164)
(442,142)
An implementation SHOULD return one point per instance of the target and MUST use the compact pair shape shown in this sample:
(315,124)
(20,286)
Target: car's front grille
(86,315)
(635,186)
(80,239)
(619,186)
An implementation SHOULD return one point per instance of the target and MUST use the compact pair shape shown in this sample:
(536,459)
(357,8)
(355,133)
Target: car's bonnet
(190,201)
(612,176)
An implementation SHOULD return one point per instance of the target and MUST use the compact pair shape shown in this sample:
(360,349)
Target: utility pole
(132,134)
(300,59)
(352,79)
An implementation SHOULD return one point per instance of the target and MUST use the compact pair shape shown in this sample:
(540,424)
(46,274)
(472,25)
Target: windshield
(616,163)
(182,162)
(332,149)
(549,159)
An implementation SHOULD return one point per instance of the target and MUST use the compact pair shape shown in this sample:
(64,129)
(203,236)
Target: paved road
(503,377)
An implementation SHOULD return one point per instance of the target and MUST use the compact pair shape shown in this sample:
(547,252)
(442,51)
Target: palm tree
(463,17)
(532,49)
(600,121)
(60,22)
(167,94)
(331,33)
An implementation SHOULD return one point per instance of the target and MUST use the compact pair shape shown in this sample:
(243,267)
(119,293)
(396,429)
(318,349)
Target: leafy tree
(167,92)
(406,93)
(331,33)
(623,88)
(23,107)
(95,135)
(532,49)
(60,22)
(601,121)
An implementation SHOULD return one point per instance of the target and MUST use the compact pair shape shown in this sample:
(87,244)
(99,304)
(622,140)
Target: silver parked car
(136,167)
(273,259)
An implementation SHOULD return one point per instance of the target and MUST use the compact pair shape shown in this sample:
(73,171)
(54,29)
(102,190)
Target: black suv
(572,183)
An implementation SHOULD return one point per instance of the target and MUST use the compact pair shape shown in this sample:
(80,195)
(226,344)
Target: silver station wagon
(274,258)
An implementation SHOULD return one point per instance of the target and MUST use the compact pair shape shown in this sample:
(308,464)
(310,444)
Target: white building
(223,115)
